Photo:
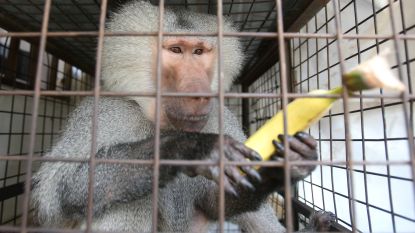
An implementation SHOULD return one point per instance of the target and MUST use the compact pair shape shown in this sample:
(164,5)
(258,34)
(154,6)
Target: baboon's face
(187,67)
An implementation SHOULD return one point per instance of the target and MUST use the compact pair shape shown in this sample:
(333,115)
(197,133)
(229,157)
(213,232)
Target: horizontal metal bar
(195,94)
(203,162)
(288,35)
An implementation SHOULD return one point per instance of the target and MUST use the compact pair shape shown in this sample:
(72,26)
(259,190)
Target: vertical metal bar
(300,54)
(290,88)
(156,164)
(382,102)
(67,69)
(36,99)
(283,73)
(9,144)
(221,123)
(245,111)
(362,122)
(345,97)
(296,89)
(45,100)
(53,117)
(405,94)
(405,41)
(16,206)
(33,56)
(267,101)
(319,122)
(308,90)
(53,73)
(408,68)
(289,72)
(330,113)
(385,137)
(276,83)
(94,130)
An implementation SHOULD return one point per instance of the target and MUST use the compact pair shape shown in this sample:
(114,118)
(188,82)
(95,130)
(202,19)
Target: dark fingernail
(256,156)
(247,185)
(256,176)
(301,134)
(247,152)
(231,191)
(277,157)
(278,145)
(274,142)
(252,173)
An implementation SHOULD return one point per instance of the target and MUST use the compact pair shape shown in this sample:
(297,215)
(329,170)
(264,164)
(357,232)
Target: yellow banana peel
(302,112)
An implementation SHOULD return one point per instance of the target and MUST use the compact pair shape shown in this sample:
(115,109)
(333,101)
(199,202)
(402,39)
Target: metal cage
(50,57)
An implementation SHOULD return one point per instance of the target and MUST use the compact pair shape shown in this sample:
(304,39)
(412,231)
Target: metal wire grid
(73,24)
(14,142)
(262,110)
(281,36)
(309,78)
(67,15)
(307,81)
(16,114)
(235,104)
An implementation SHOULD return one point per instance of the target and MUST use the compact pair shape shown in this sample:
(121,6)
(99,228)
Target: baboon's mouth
(191,123)
(194,117)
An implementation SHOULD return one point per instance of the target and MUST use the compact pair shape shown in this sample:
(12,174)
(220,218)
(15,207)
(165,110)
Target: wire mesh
(316,65)
(358,140)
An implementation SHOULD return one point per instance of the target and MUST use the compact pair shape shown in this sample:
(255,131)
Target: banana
(302,112)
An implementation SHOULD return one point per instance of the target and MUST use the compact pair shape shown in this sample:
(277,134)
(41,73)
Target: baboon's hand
(320,221)
(235,176)
(303,147)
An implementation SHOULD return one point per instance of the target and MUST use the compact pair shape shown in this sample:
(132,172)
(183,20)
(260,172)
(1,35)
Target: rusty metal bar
(156,160)
(221,97)
(202,162)
(405,94)
(284,85)
(36,98)
(265,35)
(362,121)
(94,126)
(284,96)
(52,75)
(345,97)
(245,111)
(226,95)
(33,56)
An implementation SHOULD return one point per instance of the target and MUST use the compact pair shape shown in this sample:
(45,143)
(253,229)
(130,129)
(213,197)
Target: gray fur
(130,125)
(122,120)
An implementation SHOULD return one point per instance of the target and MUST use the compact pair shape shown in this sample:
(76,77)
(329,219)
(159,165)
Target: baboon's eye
(198,51)
(176,49)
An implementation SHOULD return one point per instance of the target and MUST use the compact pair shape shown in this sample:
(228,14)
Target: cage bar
(50,58)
